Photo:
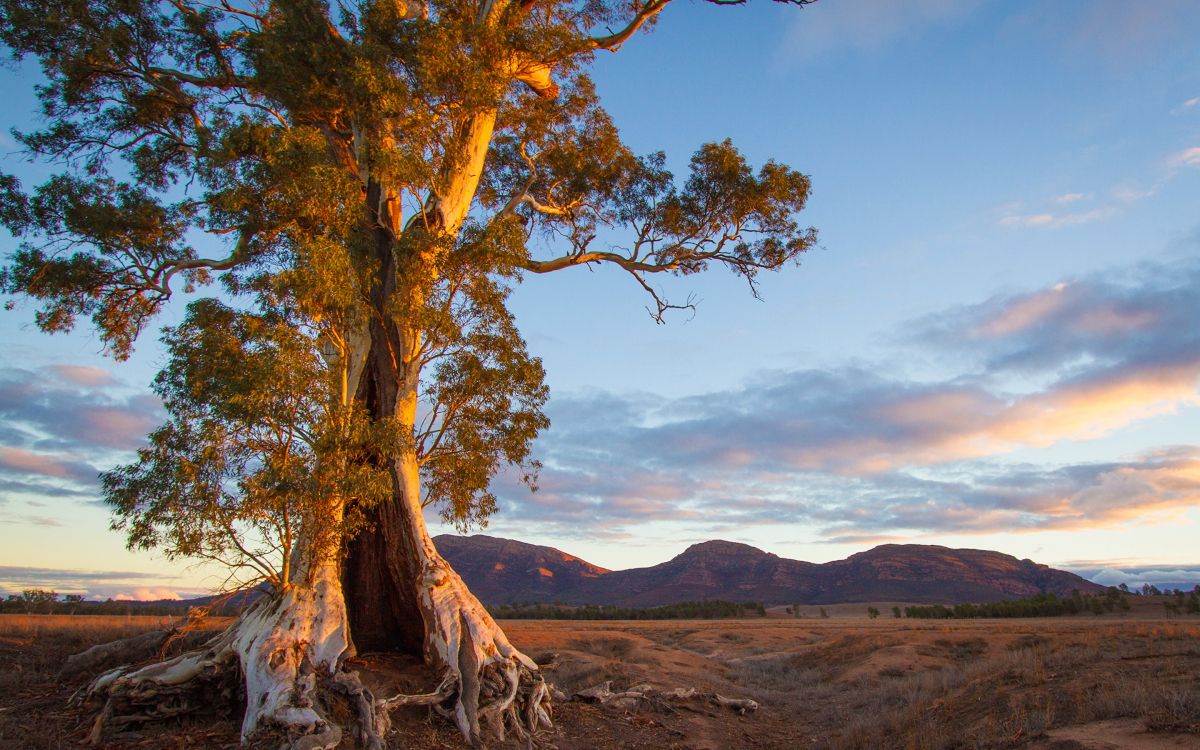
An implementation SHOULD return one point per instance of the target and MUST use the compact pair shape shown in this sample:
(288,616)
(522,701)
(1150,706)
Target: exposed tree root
(130,650)
(488,687)
(283,657)
(603,694)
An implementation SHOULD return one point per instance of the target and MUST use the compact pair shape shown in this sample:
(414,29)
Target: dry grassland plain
(1128,681)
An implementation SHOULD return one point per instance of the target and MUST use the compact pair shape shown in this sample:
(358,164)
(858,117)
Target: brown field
(1070,683)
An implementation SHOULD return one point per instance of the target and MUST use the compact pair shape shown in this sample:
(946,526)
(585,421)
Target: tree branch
(613,42)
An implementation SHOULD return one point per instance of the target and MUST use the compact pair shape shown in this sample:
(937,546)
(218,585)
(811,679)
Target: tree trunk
(401,594)
(379,585)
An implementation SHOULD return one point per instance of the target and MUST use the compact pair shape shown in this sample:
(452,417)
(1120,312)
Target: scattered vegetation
(705,610)
(852,684)
(1040,605)
(965,690)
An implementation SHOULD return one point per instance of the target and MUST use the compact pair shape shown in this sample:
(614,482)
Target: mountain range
(506,571)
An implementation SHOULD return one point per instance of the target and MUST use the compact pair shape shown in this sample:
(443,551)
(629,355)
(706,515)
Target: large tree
(379,174)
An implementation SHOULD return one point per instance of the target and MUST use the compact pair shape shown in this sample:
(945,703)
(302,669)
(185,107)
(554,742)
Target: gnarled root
(191,682)
(283,656)
(488,688)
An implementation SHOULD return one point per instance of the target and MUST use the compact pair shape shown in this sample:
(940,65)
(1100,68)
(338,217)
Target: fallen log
(132,650)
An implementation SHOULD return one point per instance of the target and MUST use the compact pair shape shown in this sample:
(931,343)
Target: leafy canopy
(367,180)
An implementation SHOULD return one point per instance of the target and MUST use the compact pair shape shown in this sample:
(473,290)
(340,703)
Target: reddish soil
(1085,683)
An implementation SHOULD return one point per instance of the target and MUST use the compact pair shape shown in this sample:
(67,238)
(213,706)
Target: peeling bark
(488,687)
(288,649)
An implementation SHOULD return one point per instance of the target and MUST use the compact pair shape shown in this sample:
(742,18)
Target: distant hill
(504,571)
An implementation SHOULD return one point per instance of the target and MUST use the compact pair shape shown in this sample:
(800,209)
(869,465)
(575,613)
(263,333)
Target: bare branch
(613,42)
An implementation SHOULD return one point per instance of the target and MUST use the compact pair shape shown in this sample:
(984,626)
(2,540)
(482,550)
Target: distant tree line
(48,602)
(1180,603)
(705,610)
(40,601)
(1039,605)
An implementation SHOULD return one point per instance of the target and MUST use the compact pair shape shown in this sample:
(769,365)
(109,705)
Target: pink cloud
(1024,312)
(84,375)
(59,467)
(940,427)
(149,594)
(1189,157)
(115,426)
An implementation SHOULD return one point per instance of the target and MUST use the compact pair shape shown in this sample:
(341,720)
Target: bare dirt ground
(1080,683)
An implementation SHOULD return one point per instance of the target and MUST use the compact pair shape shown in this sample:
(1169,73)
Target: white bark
(288,646)
(488,687)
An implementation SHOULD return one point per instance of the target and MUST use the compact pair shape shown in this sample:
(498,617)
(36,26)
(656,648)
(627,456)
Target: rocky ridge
(505,571)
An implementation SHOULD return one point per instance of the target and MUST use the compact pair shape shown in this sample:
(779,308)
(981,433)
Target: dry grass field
(1081,683)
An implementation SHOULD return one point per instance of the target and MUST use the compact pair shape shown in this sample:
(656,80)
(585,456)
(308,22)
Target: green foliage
(258,456)
(31,601)
(485,392)
(873,612)
(377,177)
(704,610)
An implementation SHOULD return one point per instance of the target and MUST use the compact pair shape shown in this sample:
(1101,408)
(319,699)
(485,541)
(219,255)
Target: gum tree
(350,190)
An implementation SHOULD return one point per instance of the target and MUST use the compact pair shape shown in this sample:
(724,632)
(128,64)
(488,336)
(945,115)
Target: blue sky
(994,345)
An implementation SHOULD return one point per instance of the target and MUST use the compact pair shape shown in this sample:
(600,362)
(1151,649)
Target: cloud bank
(865,453)
(94,584)
(60,426)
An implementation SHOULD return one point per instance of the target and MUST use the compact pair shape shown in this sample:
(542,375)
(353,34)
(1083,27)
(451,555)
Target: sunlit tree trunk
(401,594)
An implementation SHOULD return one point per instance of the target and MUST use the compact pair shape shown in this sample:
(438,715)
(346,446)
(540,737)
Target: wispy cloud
(1117,32)
(866,24)
(1053,220)
(1188,157)
(83,375)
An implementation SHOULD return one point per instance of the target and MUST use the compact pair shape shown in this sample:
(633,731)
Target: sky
(994,345)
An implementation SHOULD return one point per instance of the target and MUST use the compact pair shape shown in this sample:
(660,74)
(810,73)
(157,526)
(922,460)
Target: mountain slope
(504,571)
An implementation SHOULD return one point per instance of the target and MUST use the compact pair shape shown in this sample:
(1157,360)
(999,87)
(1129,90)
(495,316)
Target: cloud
(1130,194)
(148,594)
(1158,485)
(1068,198)
(59,410)
(9,487)
(21,461)
(866,24)
(33,521)
(82,375)
(95,584)
(1116,32)
(1057,220)
(1137,323)
(1192,102)
(61,424)
(1189,157)
(1182,578)
(864,452)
